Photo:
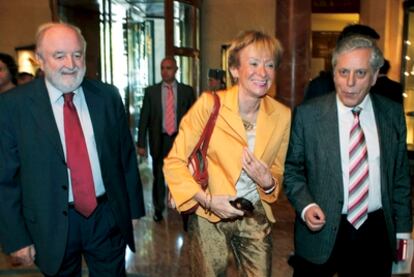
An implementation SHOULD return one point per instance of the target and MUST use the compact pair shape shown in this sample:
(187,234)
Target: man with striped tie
(347,172)
(164,104)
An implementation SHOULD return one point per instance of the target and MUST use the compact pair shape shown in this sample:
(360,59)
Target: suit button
(65,187)
(65,213)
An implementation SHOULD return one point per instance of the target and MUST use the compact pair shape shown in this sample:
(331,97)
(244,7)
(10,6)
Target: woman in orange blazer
(245,159)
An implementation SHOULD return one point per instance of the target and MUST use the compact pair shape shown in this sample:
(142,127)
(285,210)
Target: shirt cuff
(302,214)
(403,235)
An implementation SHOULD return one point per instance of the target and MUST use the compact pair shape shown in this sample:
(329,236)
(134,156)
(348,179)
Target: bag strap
(208,129)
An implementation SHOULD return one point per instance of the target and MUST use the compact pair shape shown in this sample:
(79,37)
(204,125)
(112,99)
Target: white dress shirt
(369,127)
(57,101)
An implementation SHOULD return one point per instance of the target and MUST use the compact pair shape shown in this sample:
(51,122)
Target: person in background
(39,73)
(24,77)
(387,87)
(323,84)
(163,107)
(216,79)
(8,72)
(245,159)
(69,180)
(347,173)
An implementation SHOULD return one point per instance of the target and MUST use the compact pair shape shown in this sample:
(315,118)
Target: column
(293,29)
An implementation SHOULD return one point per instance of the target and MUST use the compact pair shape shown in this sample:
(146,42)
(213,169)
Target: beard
(66,80)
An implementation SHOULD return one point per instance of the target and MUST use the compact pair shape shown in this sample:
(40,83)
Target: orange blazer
(224,155)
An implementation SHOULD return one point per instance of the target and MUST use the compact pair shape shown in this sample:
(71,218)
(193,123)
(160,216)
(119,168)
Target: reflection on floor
(161,247)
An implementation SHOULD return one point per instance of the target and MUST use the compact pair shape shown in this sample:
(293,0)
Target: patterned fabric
(247,239)
(358,174)
(77,157)
(170,112)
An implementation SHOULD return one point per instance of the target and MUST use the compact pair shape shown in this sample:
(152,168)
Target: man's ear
(39,60)
(374,77)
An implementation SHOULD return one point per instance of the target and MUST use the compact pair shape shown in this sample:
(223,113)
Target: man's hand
(142,152)
(24,256)
(134,223)
(314,218)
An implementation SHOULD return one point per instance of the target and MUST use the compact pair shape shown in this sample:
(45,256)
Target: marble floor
(161,247)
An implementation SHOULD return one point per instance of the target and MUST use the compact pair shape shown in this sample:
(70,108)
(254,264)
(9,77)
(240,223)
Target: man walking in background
(163,107)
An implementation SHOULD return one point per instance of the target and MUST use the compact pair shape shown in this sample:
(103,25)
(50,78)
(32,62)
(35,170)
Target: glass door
(140,62)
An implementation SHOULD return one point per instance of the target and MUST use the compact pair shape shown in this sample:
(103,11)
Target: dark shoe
(157,217)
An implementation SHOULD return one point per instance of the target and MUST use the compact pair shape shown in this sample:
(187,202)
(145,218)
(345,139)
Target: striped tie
(358,174)
(169,112)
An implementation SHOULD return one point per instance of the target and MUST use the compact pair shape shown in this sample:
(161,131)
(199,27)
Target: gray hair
(359,42)
(41,31)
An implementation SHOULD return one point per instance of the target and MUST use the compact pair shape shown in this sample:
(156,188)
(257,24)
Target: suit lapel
(229,113)
(234,125)
(385,132)
(180,101)
(264,131)
(96,109)
(327,130)
(42,112)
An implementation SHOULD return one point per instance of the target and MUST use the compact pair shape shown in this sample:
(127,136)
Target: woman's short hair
(260,40)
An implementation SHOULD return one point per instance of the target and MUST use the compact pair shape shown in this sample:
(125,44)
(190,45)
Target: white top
(245,186)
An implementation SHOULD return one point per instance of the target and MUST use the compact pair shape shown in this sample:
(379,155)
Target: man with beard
(69,183)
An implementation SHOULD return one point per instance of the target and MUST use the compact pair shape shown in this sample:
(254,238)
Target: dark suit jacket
(388,88)
(33,171)
(151,115)
(313,172)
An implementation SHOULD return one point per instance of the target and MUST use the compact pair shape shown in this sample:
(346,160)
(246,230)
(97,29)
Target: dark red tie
(78,159)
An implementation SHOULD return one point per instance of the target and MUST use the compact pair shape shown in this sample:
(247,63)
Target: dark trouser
(362,252)
(99,240)
(158,186)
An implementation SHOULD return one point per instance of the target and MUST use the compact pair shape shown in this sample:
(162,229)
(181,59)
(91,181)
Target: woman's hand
(218,204)
(221,207)
(257,170)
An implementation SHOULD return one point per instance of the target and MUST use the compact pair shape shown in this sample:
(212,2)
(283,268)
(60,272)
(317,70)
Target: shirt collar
(173,84)
(55,94)
(365,104)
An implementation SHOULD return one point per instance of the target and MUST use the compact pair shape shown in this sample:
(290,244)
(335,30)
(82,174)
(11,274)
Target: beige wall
(386,17)
(230,17)
(19,20)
